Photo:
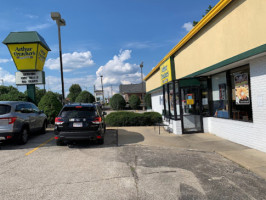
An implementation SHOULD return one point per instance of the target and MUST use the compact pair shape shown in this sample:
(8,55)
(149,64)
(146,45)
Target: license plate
(2,138)
(77,124)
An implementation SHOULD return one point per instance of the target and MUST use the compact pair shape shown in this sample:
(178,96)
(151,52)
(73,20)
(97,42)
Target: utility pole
(142,87)
(102,87)
(111,91)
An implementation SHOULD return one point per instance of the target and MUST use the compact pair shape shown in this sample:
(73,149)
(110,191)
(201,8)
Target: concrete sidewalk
(248,158)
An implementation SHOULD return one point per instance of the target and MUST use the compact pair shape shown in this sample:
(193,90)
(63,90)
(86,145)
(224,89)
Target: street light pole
(60,22)
(142,93)
(102,87)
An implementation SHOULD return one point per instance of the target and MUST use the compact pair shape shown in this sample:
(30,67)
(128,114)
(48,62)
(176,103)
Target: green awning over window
(189,82)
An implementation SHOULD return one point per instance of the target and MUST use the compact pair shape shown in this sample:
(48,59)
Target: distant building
(128,90)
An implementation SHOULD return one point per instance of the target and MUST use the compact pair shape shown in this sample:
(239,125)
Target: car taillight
(11,120)
(97,120)
(58,121)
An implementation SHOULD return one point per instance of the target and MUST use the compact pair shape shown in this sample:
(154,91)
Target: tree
(74,91)
(117,102)
(85,97)
(206,11)
(38,94)
(50,105)
(147,100)
(10,93)
(134,101)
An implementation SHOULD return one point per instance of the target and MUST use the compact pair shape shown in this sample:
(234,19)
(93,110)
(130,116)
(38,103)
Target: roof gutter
(208,17)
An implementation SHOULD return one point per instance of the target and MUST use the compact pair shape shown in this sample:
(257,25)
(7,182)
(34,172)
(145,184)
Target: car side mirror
(41,112)
(104,113)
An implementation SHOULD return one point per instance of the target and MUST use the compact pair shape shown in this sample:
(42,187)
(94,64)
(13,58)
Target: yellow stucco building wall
(238,28)
(154,81)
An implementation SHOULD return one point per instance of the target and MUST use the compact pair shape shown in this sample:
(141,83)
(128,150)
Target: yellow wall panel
(238,28)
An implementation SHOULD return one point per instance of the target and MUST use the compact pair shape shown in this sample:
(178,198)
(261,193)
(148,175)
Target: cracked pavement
(127,171)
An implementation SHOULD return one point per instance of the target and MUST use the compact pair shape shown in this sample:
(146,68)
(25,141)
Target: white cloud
(39,26)
(32,16)
(117,71)
(6,77)
(71,61)
(188,26)
(143,45)
(5,60)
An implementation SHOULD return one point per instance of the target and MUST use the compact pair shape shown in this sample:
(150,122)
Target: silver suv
(18,119)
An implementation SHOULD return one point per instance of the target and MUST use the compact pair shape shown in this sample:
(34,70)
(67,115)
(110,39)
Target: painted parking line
(39,146)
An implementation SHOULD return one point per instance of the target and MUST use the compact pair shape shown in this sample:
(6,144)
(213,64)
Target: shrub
(10,93)
(117,102)
(133,119)
(134,101)
(85,97)
(147,100)
(74,91)
(50,105)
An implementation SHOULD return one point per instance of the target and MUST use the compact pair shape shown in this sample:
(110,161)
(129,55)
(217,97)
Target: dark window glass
(84,112)
(177,101)
(204,98)
(35,108)
(171,99)
(220,97)
(166,100)
(4,109)
(241,101)
(20,107)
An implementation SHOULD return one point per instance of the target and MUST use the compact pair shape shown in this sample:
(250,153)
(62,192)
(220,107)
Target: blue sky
(102,37)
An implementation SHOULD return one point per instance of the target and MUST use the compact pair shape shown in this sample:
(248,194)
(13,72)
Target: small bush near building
(117,102)
(50,105)
(133,119)
(134,101)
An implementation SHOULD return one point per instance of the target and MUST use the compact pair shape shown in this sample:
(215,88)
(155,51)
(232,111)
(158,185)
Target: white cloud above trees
(71,61)
(118,71)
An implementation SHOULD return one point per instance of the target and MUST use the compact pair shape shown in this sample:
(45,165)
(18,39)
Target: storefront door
(191,116)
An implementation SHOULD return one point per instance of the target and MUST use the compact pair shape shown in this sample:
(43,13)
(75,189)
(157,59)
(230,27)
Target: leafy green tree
(117,102)
(85,97)
(50,105)
(74,91)
(147,100)
(134,101)
(10,93)
(206,11)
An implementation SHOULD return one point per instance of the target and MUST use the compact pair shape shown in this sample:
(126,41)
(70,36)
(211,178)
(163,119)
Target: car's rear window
(4,109)
(83,112)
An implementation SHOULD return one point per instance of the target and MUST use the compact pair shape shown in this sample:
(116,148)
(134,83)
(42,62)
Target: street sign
(30,78)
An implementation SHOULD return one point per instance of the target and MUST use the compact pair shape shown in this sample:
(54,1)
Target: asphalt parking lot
(117,170)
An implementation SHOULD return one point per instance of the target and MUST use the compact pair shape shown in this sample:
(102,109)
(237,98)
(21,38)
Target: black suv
(77,122)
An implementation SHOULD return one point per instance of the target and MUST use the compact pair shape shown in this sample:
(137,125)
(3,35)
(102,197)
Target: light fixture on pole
(60,22)
(102,87)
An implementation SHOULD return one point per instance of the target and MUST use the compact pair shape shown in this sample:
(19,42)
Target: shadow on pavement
(129,137)
(46,140)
